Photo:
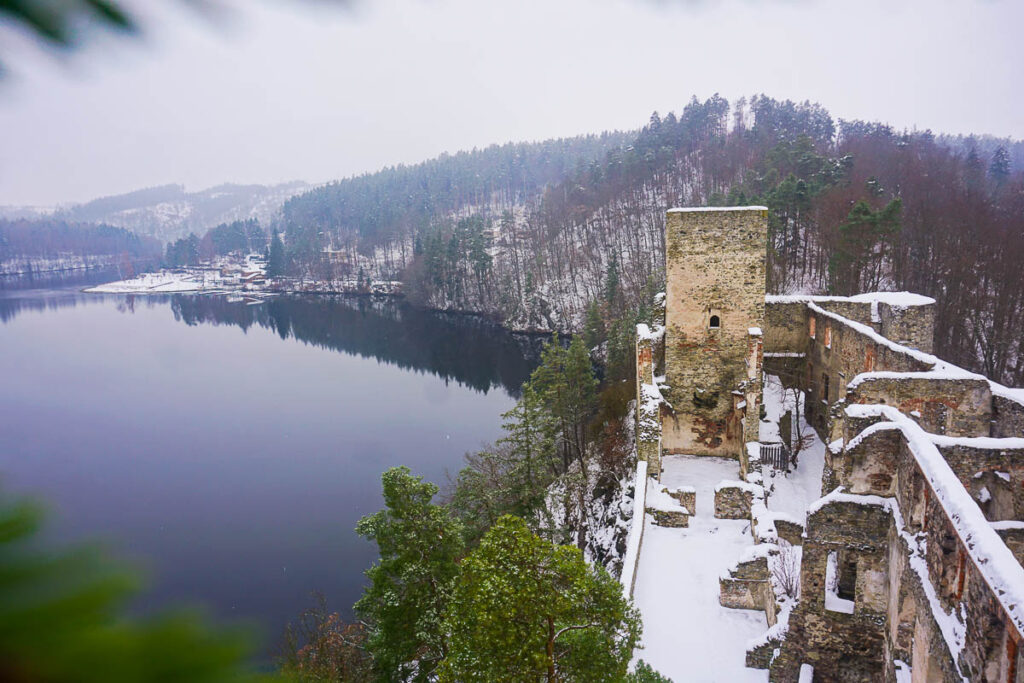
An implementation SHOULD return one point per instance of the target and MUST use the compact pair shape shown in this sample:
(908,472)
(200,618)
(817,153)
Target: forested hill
(402,201)
(52,244)
(562,233)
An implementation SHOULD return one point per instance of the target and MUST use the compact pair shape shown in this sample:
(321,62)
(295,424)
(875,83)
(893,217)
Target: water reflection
(469,350)
(232,464)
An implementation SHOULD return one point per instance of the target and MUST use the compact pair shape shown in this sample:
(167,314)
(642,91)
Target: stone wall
(785,329)
(993,476)
(733,499)
(715,273)
(955,407)
(839,352)
(1007,417)
(912,326)
(840,646)
(648,406)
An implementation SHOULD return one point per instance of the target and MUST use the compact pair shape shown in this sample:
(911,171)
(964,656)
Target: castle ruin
(910,562)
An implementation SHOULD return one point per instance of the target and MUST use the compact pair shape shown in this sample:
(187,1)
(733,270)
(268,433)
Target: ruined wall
(840,353)
(715,272)
(955,583)
(1007,417)
(955,407)
(993,476)
(912,326)
(785,330)
(648,402)
(840,646)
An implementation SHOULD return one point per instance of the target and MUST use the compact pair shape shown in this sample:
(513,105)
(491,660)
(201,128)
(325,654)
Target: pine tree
(530,436)
(999,169)
(418,543)
(525,610)
(566,385)
(611,281)
(275,260)
(593,329)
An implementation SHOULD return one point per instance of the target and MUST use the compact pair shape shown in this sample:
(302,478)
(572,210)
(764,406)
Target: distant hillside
(53,245)
(169,212)
(559,234)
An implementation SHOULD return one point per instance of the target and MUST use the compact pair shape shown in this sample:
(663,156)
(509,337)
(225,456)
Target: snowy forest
(521,233)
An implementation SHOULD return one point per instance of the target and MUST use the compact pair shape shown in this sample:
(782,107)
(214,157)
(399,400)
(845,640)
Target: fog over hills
(168,212)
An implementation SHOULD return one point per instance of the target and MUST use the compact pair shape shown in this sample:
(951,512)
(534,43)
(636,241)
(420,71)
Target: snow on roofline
(937,364)
(1009,393)
(993,559)
(982,442)
(689,209)
(942,374)
(900,299)
(894,298)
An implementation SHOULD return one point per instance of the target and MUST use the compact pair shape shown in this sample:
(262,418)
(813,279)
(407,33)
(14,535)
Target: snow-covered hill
(169,212)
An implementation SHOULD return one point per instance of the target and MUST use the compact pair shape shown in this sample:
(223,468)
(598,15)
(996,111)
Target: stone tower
(715,297)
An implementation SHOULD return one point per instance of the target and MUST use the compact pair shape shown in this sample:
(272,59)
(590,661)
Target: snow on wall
(694,209)
(636,530)
(993,559)
(898,299)
(940,369)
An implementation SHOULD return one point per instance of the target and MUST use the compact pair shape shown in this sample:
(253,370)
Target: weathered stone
(733,500)
(670,518)
(715,274)
(686,495)
(791,532)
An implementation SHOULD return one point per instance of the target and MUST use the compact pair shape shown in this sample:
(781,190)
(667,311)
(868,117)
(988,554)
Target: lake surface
(230,448)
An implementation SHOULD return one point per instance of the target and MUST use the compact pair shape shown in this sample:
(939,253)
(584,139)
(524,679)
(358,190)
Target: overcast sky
(287,90)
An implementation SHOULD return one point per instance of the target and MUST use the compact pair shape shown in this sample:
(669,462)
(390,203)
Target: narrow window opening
(840,581)
(828,336)
(715,322)
(824,386)
(812,326)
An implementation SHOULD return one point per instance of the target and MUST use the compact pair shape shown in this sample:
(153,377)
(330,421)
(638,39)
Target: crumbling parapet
(746,584)
(649,402)
(666,509)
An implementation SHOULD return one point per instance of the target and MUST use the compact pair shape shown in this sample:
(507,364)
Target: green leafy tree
(61,619)
(526,610)
(566,385)
(275,260)
(419,544)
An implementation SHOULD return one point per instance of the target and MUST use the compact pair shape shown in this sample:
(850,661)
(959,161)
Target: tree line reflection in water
(470,350)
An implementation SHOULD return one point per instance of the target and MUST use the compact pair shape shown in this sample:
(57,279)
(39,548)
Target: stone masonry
(715,289)
(910,565)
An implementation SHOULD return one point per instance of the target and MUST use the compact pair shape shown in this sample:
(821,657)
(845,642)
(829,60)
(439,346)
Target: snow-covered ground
(791,492)
(163,281)
(687,635)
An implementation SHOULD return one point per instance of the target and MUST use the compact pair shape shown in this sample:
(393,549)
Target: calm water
(231,448)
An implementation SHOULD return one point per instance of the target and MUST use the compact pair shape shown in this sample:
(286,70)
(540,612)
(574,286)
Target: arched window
(715,322)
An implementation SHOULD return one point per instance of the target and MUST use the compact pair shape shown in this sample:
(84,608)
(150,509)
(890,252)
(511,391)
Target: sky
(265,91)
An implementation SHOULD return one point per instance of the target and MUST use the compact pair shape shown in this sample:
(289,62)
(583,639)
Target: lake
(228,448)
